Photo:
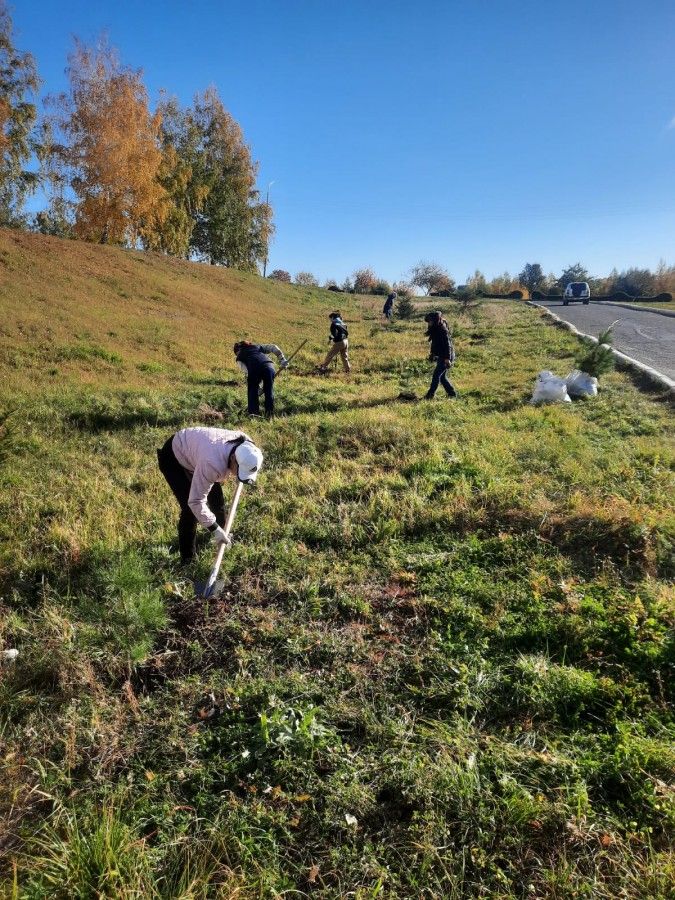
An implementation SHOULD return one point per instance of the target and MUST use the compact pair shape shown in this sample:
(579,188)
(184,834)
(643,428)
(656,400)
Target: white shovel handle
(221,549)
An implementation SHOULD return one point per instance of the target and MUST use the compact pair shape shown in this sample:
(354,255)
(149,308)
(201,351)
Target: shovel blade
(203,590)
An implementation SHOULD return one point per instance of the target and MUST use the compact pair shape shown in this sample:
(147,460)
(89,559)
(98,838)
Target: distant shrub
(365,281)
(306,279)
(334,287)
(554,290)
(537,295)
(381,288)
(634,282)
(403,289)
(516,295)
(620,296)
(280,275)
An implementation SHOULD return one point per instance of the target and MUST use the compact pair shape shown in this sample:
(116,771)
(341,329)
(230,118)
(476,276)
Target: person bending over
(252,359)
(195,462)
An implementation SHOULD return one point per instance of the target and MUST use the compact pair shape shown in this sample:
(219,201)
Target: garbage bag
(549,388)
(581,384)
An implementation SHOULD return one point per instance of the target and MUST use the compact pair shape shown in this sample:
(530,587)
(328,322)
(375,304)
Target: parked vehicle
(577,290)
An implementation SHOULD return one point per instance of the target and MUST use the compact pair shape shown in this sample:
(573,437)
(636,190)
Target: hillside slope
(65,303)
(443,666)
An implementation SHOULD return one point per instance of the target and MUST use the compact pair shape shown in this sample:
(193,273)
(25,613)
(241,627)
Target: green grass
(443,666)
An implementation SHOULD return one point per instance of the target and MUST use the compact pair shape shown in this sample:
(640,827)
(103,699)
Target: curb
(659,312)
(626,361)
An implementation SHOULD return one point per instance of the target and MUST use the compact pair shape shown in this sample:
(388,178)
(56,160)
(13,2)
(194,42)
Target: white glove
(219,537)
(284,364)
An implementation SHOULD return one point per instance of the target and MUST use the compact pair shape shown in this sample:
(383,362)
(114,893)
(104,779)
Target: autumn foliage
(177,180)
(111,150)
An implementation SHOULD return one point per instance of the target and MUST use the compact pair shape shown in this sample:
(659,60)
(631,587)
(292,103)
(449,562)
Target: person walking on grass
(194,462)
(442,351)
(253,361)
(339,337)
(388,308)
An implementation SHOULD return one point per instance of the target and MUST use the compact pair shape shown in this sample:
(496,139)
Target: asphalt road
(639,333)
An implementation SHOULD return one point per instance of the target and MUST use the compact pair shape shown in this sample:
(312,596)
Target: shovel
(212,586)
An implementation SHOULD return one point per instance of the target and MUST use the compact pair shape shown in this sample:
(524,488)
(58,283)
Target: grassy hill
(443,667)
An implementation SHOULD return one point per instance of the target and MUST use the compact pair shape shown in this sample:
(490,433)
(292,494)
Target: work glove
(219,537)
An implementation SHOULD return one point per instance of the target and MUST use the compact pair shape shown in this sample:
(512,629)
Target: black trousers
(255,376)
(180,481)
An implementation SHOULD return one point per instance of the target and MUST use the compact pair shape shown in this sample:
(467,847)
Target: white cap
(249,460)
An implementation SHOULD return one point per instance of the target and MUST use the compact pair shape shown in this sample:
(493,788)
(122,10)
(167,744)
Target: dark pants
(440,376)
(179,480)
(255,376)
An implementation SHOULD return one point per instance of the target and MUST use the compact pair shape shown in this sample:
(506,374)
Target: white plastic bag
(549,388)
(580,384)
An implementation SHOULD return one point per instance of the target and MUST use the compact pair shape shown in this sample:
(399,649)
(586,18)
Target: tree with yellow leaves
(110,155)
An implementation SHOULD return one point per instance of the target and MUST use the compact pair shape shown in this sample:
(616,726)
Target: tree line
(433,280)
(179,180)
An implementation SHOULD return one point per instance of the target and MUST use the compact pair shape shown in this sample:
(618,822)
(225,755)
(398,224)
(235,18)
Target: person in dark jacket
(252,359)
(388,308)
(442,351)
(339,338)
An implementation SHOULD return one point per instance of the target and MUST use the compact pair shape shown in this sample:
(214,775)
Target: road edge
(652,375)
(659,312)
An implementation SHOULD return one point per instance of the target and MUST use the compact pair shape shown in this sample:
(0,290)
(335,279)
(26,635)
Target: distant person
(388,308)
(253,361)
(339,338)
(442,352)
(194,462)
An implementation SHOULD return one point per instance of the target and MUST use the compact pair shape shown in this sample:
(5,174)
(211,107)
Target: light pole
(267,204)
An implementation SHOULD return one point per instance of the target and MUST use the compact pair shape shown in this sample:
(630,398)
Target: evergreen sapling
(597,359)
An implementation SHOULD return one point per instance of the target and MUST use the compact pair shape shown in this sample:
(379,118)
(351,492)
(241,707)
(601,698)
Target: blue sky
(479,134)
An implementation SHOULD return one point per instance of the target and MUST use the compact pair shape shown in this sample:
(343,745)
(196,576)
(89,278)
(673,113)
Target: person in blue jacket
(252,359)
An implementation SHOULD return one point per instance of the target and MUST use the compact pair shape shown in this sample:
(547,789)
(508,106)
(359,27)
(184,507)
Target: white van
(577,290)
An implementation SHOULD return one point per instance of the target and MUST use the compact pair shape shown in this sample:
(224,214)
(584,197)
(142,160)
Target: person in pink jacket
(195,462)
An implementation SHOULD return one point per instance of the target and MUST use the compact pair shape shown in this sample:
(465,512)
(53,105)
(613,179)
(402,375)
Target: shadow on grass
(104,416)
(293,408)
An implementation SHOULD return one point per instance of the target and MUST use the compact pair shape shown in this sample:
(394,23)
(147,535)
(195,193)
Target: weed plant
(443,663)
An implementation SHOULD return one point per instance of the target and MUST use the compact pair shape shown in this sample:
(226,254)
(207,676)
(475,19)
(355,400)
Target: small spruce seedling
(597,359)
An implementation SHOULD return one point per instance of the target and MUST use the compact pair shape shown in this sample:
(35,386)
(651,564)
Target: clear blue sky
(483,133)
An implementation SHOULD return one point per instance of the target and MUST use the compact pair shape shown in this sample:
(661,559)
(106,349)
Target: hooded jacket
(440,343)
(338,330)
(204,453)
